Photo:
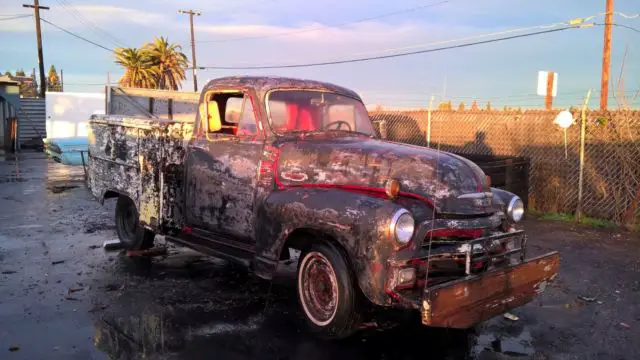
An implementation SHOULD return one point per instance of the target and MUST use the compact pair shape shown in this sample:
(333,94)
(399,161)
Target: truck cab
(272,164)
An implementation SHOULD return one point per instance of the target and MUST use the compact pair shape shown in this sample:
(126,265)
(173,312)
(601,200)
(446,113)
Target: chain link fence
(611,187)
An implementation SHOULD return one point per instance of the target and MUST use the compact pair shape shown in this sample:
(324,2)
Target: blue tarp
(68,151)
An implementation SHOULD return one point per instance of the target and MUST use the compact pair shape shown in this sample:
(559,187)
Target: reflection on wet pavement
(187,306)
(193,307)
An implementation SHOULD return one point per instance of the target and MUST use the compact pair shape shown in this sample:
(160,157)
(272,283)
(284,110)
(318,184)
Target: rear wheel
(131,234)
(328,293)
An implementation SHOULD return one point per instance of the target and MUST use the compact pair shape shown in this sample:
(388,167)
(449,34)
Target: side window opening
(231,113)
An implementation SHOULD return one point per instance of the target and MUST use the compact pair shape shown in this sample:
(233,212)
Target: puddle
(187,306)
(514,342)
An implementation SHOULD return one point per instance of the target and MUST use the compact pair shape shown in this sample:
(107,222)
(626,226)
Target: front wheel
(328,292)
(131,234)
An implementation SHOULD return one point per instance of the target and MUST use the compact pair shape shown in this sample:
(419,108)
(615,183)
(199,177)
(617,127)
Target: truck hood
(450,183)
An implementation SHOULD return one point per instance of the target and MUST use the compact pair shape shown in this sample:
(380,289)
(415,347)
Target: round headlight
(515,209)
(402,226)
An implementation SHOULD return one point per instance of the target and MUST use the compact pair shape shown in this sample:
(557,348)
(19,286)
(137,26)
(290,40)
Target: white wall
(68,113)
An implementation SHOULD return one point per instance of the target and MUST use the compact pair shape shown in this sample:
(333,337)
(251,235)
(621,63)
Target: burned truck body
(272,164)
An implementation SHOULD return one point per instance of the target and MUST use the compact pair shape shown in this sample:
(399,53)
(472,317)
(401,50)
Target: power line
(572,22)
(627,16)
(336,62)
(88,84)
(16,17)
(413,9)
(76,35)
(88,23)
(621,25)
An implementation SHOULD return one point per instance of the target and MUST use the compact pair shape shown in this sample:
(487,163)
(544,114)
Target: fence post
(508,176)
(429,121)
(582,135)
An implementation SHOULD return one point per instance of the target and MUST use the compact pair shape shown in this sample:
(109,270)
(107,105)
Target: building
(9,109)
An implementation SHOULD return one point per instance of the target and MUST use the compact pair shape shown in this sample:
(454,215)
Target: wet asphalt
(62,296)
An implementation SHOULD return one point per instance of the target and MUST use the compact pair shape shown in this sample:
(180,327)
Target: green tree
(7,73)
(20,73)
(138,68)
(489,105)
(169,63)
(28,89)
(461,106)
(53,80)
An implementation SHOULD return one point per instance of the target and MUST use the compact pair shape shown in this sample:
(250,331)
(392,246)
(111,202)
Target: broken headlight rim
(402,226)
(515,209)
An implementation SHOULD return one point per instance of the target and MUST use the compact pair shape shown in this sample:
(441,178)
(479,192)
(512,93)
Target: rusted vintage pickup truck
(272,164)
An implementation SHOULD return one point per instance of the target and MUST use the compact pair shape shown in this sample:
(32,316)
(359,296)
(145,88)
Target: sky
(273,32)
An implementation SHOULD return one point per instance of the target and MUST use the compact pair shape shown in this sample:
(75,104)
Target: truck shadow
(186,306)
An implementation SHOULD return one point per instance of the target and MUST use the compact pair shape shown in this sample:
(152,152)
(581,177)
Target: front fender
(357,222)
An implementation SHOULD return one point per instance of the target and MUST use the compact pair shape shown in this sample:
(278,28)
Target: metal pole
(429,121)
(566,153)
(606,57)
(107,95)
(193,47)
(582,135)
(61,80)
(36,7)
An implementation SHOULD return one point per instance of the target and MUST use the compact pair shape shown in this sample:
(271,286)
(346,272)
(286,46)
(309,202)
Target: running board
(220,247)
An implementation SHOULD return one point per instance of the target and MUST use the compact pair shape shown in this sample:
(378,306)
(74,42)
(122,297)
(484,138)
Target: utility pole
(548,99)
(61,80)
(606,56)
(36,8)
(193,46)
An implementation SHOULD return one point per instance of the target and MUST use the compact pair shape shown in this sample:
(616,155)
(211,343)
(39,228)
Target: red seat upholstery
(299,118)
(305,120)
(292,116)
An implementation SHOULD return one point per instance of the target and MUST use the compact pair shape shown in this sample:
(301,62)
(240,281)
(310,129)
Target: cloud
(80,15)
(16,25)
(105,14)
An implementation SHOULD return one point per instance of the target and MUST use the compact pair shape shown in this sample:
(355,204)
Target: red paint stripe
(378,192)
(468,233)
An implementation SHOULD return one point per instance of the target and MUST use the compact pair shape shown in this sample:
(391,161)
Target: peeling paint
(267,190)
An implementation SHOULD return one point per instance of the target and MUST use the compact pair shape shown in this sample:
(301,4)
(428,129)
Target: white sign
(542,83)
(564,119)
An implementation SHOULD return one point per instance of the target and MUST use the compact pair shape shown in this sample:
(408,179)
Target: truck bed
(141,158)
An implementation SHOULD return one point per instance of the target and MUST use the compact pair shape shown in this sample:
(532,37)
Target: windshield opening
(304,110)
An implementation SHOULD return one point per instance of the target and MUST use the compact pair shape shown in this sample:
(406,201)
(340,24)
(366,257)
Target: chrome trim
(511,205)
(478,195)
(394,223)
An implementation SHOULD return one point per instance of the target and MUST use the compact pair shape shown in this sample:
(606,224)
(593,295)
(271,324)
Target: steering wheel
(339,122)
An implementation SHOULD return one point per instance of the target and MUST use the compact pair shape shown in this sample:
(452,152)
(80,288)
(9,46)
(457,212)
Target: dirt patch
(91,227)
(56,189)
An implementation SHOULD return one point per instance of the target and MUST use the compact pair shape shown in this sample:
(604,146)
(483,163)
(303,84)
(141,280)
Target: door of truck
(222,165)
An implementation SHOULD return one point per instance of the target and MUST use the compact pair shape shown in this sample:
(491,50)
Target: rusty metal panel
(466,302)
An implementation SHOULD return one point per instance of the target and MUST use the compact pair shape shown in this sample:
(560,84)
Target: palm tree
(169,62)
(53,80)
(138,68)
